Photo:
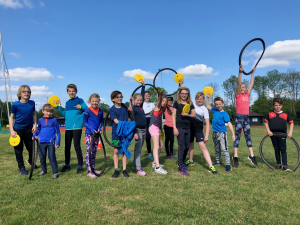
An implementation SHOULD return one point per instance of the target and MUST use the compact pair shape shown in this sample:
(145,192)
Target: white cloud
(102,99)
(244,63)
(14,54)
(197,71)
(30,73)
(39,88)
(15,4)
(281,53)
(13,88)
(60,77)
(131,73)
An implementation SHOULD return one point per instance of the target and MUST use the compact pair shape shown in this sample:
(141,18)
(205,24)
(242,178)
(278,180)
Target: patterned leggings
(88,138)
(242,122)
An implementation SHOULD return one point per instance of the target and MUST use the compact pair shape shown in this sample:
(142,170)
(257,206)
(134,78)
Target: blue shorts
(198,135)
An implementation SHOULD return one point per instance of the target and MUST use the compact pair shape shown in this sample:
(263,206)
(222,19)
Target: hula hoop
(104,126)
(90,154)
(143,96)
(279,134)
(241,53)
(160,70)
(34,156)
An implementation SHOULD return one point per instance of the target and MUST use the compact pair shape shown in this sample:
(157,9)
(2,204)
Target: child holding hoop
(197,131)
(242,121)
(93,121)
(168,128)
(155,126)
(276,122)
(181,126)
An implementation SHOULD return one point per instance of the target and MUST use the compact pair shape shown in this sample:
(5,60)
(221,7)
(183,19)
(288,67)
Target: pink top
(168,121)
(242,104)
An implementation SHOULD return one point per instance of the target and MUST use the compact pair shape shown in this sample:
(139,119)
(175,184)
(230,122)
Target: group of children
(148,123)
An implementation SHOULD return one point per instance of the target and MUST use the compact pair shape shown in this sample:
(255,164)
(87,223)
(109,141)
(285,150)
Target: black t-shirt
(277,121)
(182,122)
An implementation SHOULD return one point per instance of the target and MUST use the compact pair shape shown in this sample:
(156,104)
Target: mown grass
(247,195)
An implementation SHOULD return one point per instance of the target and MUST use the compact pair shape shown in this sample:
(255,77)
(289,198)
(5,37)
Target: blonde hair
(137,95)
(93,96)
(200,94)
(188,99)
(72,86)
(21,88)
(47,107)
(218,99)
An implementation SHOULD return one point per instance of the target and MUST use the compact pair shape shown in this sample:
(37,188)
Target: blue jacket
(125,132)
(92,120)
(48,130)
(73,116)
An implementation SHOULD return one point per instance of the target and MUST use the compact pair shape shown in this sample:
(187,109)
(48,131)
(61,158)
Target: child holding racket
(93,121)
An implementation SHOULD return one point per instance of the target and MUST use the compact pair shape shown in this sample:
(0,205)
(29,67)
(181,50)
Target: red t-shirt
(169,120)
(242,103)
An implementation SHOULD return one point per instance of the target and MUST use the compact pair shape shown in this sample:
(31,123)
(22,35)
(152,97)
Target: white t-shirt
(148,107)
(201,115)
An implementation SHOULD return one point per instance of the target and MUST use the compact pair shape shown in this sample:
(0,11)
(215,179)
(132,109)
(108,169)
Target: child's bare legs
(157,146)
(236,151)
(124,161)
(116,158)
(205,153)
(191,151)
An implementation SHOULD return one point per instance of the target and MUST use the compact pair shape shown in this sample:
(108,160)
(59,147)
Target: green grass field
(247,195)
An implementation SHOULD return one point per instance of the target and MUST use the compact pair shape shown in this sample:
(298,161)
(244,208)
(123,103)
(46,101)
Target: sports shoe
(79,170)
(173,157)
(116,174)
(141,172)
(228,168)
(154,166)
(150,158)
(42,173)
(189,163)
(91,175)
(212,170)
(278,166)
(30,163)
(252,160)
(23,171)
(235,161)
(160,170)
(286,169)
(65,168)
(97,171)
(217,164)
(125,174)
(183,172)
(168,156)
(55,176)
(185,168)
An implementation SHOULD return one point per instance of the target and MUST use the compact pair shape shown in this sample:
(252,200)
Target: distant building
(255,119)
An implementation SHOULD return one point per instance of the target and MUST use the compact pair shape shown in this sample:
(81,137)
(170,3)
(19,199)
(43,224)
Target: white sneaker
(160,170)
(153,165)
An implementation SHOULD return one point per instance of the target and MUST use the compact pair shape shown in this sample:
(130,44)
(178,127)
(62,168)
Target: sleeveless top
(156,119)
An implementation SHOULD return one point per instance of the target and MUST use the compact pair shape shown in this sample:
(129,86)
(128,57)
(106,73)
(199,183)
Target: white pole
(3,72)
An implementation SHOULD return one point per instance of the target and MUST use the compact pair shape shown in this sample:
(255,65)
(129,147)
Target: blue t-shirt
(23,114)
(219,120)
(117,113)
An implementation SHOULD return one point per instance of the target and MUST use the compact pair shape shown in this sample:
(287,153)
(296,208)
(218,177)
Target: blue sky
(100,45)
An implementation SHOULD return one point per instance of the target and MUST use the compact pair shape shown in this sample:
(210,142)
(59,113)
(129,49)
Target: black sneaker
(125,174)
(278,166)
(65,169)
(55,176)
(79,170)
(286,169)
(252,160)
(116,174)
(42,173)
(235,161)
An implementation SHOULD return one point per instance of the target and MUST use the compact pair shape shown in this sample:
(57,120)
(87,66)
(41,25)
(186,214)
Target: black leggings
(169,135)
(26,138)
(76,135)
(148,136)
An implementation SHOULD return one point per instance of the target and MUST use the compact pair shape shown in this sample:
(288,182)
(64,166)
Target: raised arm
(251,81)
(207,103)
(239,82)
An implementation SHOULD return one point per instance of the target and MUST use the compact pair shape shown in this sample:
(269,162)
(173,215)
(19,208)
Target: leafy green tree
(153,93)
(104,107)
(229,87)
(260,85)
(276,83)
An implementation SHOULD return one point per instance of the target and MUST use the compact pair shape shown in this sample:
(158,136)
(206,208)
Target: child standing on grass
(118,113)
(197,131)
(220,117)
(154,127)
(22,121)
(242,121)
(148,107)
(276,122)
(140,130)
(181,126)
(93,121)
(73,114)
(169,133)
(48,131)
